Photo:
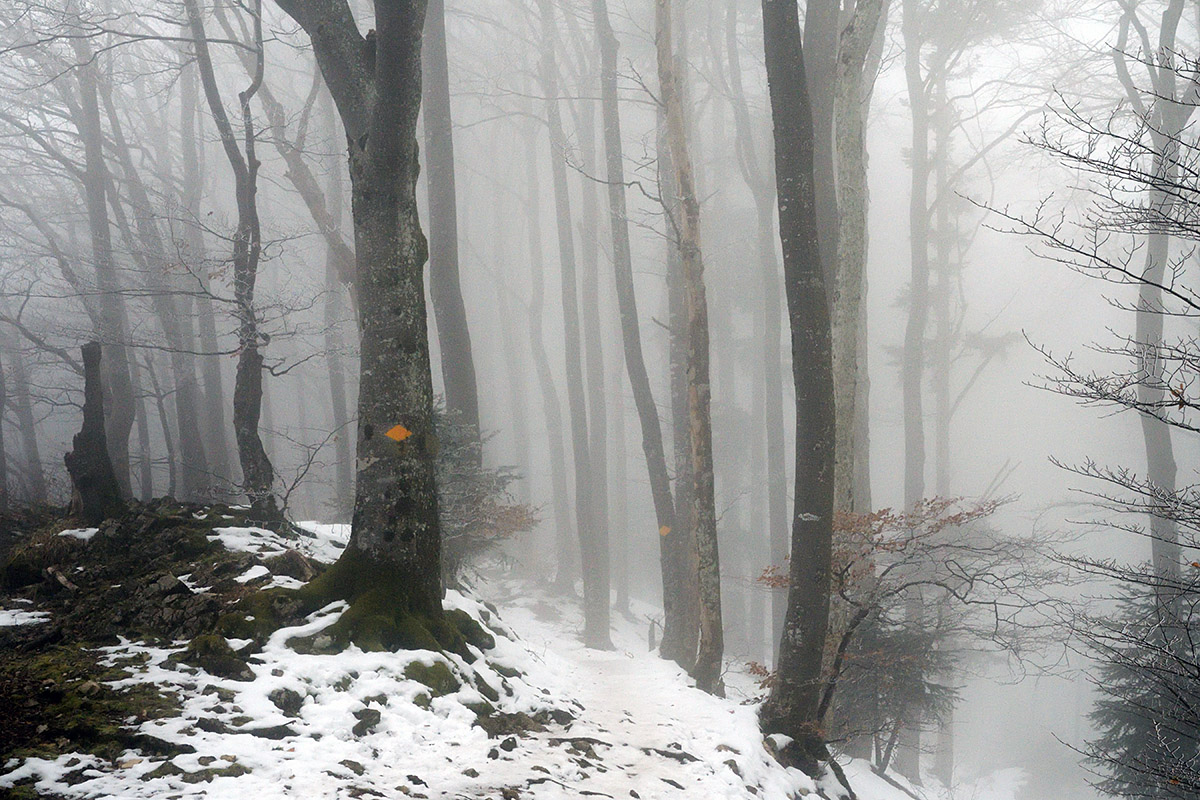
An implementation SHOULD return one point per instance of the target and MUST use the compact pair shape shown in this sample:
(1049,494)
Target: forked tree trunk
(793,705)
(707,670)
(258,475)
(394,551)
(96,496)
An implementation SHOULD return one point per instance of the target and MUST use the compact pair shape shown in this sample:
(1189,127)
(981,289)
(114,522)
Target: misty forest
(534,399)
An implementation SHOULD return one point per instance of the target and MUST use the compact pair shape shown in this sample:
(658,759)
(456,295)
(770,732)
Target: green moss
(73,710)
(470,630)
(211,653)
(438,677)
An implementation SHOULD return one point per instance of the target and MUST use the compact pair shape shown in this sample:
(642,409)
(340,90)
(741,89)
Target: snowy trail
(662,737)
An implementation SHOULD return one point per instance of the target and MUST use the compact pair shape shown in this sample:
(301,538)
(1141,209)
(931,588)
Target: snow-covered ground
(355,725)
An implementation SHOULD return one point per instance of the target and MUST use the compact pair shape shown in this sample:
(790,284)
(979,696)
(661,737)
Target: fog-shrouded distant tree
(1137,233)
(258,474)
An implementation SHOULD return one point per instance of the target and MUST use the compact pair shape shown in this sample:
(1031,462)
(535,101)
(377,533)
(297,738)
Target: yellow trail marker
(664,530)
(399,433)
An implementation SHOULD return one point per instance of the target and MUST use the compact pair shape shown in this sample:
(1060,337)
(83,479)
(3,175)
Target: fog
(1023,85)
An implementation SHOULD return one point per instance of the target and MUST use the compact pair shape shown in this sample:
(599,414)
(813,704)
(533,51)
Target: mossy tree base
(383,615)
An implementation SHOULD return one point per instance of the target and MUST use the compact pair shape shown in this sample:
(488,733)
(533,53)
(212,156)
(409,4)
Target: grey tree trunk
(793,705)
(761,183)
(859,51)
(449,311)
(18,389)
(96,494)
(670,533)
(152,258)
(593,545)
(394,551)
(212,414)
(710,652)
(343,487)
(679,643)
(821,29)
(258,475)
(564,541)
(114,332)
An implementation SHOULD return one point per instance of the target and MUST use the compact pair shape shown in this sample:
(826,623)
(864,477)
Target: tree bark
(212,416)
(258,475)
(860,43)
(670,534)
(96,493)
(564,540)
(707,670)
(115,324)
(793,705)
(449,311)
(592,544)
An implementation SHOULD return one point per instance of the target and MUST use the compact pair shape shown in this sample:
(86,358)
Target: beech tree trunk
(212,413)
(96,495)
(859,50)
(707,670)
(564,541)
(258,475)
(793,705)
(114,331)
(670,534)
(449,311)
(395,545)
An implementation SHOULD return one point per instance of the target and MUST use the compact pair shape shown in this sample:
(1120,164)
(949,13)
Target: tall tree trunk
(449,311)
(707,670)
(679,643)
(593,340)
(793,705)
(114,334)
(821,28)
(671,535)
(564,540)
(762,186)
(592,545)
(35,473)
(858,54)
(175,319)
(258,475)
(212,416)
(343,487)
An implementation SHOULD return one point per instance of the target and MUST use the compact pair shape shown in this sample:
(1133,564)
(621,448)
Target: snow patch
(83,534)
(12,617)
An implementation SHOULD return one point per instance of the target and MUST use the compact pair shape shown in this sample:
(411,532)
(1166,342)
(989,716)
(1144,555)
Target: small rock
(353,766)
(493,753)
(288,701)
(509,744)
(473,773)
(367,718)
(415,781)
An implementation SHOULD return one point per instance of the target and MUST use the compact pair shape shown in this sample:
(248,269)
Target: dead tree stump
(96,495)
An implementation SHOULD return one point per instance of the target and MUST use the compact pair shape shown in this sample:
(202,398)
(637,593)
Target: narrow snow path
(656,736)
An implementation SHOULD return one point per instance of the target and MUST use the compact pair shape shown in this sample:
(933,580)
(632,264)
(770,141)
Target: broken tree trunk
(96,496)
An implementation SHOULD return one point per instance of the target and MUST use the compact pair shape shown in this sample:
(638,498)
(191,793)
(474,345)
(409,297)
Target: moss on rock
(437,677)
